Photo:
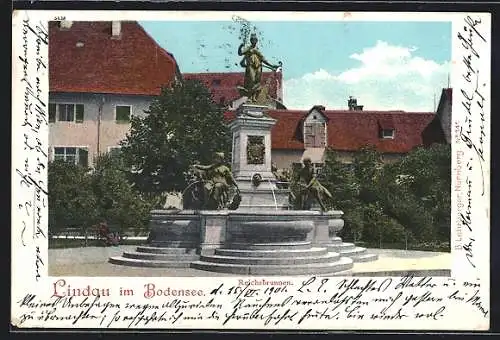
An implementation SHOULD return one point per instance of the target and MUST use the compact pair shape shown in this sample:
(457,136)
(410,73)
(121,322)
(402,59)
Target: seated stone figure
(212,185)
(308,187)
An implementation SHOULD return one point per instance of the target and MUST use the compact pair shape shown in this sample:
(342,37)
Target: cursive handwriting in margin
(221,304)
(472,129)
(32,170)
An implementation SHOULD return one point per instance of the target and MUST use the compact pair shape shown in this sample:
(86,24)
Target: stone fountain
(263,236)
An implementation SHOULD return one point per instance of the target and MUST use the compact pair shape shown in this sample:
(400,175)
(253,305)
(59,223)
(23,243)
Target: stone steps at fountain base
(342,264)
(173,244)
(364,257)
(282,261)
(161,257)
(163,250)
(149,263)
(273,253)
(157,257)
(341,247)
(357,254)
(270,246)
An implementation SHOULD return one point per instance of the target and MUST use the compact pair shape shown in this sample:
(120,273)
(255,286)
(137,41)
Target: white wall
(86,134)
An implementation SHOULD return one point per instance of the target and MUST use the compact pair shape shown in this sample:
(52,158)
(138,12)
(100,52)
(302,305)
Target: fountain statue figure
(308,189)
(210,187)
(253,61)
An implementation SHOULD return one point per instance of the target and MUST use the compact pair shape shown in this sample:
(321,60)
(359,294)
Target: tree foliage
(392,201)
(182,126)
(118,203)
(80,197)
(71,200)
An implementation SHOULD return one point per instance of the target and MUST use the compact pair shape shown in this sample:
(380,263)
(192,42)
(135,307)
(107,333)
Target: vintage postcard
(251,170)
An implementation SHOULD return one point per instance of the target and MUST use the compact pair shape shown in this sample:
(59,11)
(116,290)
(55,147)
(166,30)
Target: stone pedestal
(213,230)
(252,159)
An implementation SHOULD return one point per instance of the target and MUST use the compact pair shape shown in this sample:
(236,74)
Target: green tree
(367,168)
(392,202)
(339,178)
(118,203)
(72,202)
(182,126)
(425,179)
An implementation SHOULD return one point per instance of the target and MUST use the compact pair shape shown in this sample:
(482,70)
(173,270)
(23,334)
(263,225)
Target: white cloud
(388,78)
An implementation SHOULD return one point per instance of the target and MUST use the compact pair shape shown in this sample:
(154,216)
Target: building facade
(100,75)
(90,123)
(103,73)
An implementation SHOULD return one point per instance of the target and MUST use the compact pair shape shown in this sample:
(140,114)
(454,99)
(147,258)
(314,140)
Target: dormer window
(315,129)
(387,133)
(386,127)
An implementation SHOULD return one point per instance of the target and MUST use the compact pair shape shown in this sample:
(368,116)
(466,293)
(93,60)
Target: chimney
(65,25)
(116,29)
(352,103)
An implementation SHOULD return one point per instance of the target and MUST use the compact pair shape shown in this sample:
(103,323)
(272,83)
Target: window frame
(385,136)
(57,114)
(113,147)
(77,153)
(129,114)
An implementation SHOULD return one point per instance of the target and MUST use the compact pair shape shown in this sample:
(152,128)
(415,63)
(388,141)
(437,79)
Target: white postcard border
(458,303)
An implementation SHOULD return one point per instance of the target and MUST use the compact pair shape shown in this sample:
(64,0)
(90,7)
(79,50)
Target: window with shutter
(314,135)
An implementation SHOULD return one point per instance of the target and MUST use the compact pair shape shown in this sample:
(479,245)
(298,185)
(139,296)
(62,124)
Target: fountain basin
(174,229)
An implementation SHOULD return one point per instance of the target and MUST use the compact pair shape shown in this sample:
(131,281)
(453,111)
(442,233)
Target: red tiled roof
(131,64)
(352,130)
(223,85)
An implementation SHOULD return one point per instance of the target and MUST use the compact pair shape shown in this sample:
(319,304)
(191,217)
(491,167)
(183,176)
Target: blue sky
(386,65)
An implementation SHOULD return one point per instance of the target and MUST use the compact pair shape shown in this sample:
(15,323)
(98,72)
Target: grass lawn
(77,243)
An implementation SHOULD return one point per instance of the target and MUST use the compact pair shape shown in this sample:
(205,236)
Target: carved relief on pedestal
(255,150)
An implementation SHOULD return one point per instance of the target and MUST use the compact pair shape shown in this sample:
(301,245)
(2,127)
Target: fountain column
(251,159)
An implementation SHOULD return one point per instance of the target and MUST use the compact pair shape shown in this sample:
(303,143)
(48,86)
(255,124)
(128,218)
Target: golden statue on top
(253,61)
